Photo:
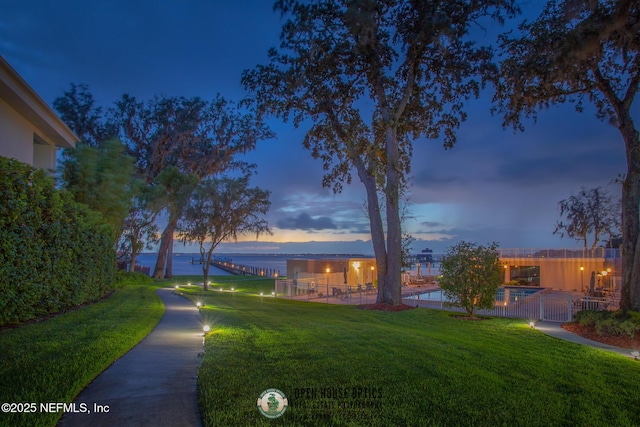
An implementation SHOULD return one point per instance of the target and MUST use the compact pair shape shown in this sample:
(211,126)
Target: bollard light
(198,304)
(532,324)
(636,354)
(206,328)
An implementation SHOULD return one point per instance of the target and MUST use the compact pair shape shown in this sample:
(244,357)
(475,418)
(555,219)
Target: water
(182,262)
(514,294)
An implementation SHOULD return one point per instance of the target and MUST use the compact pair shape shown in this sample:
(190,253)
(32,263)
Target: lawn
(338,365)
(343,366)
(53,360)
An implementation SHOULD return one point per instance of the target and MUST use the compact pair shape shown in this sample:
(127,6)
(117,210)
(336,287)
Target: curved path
(555,330)
(155,382)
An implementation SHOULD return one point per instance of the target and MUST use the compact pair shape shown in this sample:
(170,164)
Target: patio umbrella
(592,283)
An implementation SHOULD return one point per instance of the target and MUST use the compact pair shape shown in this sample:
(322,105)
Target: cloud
(304,221)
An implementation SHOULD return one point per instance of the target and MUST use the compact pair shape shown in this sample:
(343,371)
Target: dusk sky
(494,185)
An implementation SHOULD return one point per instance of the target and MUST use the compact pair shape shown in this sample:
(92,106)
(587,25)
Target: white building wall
(16,135)
(18,138)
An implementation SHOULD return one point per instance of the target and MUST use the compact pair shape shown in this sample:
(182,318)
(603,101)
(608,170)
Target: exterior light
(177,287)
(372,268)
(604,272)
(232,289)
(608,269)
(189,284)
(327,270)
(532,324)
(261,294)
(356,265)
(206,328)
(273,293)
(636,354)
(198,304)
(581,268)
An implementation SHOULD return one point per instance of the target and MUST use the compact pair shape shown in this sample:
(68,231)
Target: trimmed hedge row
(54,253)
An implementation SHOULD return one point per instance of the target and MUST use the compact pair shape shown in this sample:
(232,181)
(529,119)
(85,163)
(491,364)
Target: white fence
(323,291)
(543,305)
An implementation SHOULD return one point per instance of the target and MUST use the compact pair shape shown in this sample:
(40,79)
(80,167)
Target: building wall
(19,139)
(316,270)
(564,273)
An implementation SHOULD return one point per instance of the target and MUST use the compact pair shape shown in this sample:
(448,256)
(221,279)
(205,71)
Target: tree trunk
(630,291)
(393,283)
(168,272)
(630,295)
(206,262)
(375,223)
(166,239)
(132,266)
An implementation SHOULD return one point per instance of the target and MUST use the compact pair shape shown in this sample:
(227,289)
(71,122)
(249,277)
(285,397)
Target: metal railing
(605,253)
(311,290)
(543,305)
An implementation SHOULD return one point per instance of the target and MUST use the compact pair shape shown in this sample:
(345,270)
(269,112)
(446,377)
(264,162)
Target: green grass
(423,367)
(53,360)
(240,284)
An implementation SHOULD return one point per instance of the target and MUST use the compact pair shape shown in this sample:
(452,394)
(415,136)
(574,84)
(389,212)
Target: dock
(244,270)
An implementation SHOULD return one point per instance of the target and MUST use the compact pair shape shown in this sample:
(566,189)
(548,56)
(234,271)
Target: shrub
(610,322)
(471,274)
(132,278)
(590,317)
(54,252)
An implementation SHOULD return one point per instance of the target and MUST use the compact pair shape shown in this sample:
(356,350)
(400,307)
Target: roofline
(27,102)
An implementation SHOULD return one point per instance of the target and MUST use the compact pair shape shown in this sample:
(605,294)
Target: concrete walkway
(154,384)
(555,330)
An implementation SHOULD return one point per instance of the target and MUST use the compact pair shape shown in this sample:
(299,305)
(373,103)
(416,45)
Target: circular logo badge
(272,403)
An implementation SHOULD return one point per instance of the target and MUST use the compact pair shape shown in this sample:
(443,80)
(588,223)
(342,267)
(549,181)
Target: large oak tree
(193,138)
(584,51)
(371,77)
(219,210)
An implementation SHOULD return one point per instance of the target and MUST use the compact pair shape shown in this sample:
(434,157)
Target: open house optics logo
(272,403)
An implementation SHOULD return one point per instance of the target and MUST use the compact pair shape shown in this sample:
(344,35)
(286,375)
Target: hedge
(54,253)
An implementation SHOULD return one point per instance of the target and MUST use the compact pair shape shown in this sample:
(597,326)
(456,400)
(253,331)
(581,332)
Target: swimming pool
(515,294)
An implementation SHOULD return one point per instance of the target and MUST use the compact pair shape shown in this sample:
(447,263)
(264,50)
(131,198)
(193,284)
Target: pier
(244,270)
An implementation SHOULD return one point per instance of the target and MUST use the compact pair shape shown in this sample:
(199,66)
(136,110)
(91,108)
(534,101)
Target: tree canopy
(219,210)
(583,51)
(102,178)
(371,77)
(592,212)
